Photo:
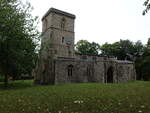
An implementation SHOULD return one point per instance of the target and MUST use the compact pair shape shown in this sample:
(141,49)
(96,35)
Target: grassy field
(24,97)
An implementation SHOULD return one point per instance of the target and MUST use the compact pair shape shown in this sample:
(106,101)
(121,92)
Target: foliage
(143,63)
(147,5)
(85,47)
(107,49)
(145,68)
(18,38)
(24,97)
(138,48)
(122,49)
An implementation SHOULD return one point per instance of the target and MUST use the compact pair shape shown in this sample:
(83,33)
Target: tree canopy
(18,38)
(85,47)
(123,49)
(147,5)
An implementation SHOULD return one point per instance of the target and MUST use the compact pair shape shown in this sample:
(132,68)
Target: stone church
(59,64)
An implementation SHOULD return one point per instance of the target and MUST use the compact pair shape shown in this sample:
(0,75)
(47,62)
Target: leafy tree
(145,68)
(122,49)
(107,49)
(143,63)
(94,48)
(147,5)
(85,47)
(138,48)
(82,47)
(148,43)
(18,38)
(126,49)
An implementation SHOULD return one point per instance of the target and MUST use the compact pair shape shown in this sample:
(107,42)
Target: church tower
(58,33)
(57,42)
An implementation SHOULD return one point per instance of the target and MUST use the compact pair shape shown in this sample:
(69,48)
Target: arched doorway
(110,75)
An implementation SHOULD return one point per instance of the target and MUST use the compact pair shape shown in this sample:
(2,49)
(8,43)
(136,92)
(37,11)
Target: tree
(107,50)
(122,49)
(18,38)
(94,48)
(147,5)
(143,63)
(139,48)
(82,47)
(85,47)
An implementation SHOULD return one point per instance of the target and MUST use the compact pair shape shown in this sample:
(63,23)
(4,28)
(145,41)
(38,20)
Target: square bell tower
(58,33)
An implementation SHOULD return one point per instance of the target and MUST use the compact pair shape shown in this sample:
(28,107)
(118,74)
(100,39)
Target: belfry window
(70,70)
(63,21)
(63,40)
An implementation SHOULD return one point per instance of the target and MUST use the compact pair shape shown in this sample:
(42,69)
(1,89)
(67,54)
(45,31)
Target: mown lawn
(24,97)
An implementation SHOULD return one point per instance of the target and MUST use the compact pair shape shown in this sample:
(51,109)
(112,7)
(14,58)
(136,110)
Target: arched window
(70,70)
(90,73)
(90,70)
(63,21)
(63,40)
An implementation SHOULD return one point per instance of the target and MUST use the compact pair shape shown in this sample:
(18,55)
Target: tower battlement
(53,10)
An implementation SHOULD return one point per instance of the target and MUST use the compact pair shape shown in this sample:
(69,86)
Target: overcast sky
(102,20)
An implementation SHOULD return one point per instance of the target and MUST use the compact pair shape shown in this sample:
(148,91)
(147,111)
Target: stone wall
(92,71)
(82,71)
(126,72)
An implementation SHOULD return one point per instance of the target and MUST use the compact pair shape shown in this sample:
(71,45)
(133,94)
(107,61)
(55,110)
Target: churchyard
(24,97)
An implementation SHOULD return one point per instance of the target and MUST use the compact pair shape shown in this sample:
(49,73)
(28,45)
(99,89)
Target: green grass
(24,97)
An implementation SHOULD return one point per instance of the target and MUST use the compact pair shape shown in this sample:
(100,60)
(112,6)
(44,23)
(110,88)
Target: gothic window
(63,21)
(88,71)
(63,39)
(70,70)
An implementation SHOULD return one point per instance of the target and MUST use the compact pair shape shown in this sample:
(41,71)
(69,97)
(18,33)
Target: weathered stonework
(58,63)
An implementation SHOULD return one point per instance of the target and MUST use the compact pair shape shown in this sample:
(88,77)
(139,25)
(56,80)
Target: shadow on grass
(19,84)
